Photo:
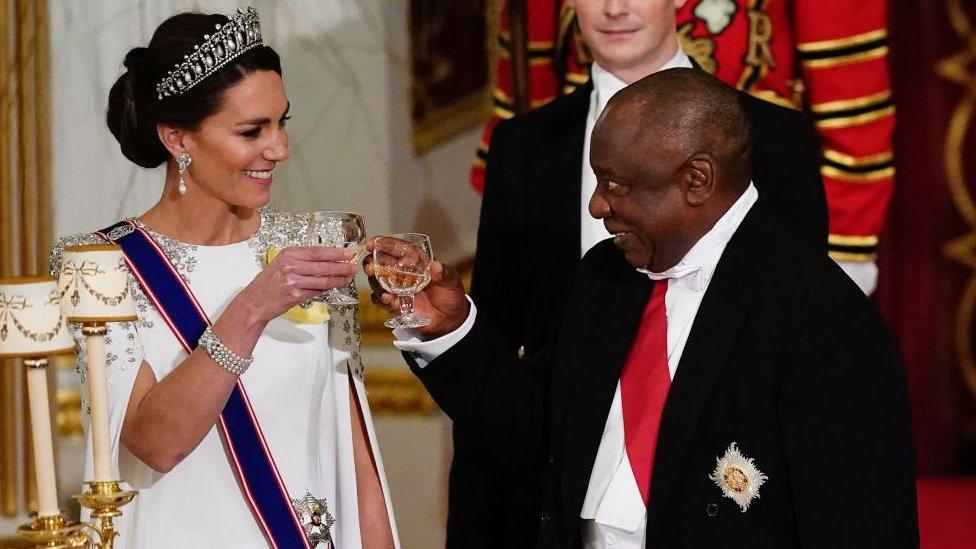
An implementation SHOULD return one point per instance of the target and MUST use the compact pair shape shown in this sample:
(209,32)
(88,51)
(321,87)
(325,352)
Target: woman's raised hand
(298,274)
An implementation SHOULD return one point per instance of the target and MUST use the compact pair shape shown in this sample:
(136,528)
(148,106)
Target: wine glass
(339,230)
(402,266)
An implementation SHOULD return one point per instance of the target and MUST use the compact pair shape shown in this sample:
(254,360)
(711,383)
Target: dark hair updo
(134,108)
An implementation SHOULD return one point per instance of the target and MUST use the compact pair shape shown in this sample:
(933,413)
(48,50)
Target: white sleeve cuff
(410,342)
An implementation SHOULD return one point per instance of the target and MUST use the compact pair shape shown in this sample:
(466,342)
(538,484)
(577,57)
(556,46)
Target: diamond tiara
(229,40)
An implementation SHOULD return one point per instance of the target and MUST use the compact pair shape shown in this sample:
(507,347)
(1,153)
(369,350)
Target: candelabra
(55,532)
(92,289)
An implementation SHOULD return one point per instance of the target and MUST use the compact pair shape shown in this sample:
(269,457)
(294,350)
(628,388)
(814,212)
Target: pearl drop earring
(184,161)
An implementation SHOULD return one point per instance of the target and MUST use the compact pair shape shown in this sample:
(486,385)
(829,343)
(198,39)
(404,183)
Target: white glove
(863,273)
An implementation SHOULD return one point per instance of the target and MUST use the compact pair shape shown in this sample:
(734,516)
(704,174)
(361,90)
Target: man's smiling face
(638,195)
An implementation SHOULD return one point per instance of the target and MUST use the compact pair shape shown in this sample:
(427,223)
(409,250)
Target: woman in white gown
(227,116)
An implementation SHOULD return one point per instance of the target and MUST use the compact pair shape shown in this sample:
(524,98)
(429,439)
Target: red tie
(644,385)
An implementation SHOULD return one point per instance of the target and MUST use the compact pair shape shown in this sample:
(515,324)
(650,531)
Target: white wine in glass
(345,230)
(402,281)
(402,266)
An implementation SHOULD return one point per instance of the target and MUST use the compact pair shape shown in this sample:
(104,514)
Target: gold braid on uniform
(852,112)
(843,51)
(852,248)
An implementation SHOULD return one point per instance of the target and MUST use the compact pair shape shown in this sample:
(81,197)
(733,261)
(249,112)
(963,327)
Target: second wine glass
(340,230)
(402,266)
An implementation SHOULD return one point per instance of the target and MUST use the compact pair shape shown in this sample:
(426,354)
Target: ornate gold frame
(467,112)
(397,392)
(958,69)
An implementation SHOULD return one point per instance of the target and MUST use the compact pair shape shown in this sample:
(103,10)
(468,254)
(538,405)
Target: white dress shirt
(613,511)
(605,86)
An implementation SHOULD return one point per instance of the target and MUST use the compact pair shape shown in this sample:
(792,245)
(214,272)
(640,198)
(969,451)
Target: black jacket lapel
(713,335)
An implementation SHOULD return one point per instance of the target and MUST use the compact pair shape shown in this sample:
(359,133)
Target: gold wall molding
(67,419)
(25,209)
(959,69)
(396,391)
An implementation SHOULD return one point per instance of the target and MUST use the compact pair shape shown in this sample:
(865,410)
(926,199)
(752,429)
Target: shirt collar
(606,85)
(695,269)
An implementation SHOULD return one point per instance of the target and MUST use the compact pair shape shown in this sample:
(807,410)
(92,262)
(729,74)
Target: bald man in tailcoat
(709,382)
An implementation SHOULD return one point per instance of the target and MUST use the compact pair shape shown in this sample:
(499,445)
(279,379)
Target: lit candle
(98,399)
(40,418)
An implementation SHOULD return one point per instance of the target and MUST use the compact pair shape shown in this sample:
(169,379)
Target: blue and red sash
(247,450)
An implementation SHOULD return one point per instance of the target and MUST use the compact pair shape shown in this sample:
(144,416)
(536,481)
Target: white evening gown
(298,386)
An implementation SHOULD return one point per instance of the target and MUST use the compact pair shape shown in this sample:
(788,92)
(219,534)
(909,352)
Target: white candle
(40,418)
(97,389)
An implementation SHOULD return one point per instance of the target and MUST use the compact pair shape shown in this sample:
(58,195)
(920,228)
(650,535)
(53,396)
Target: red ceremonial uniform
(830,58)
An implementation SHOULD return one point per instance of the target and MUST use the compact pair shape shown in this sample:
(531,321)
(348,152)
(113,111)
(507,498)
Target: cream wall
(346,69)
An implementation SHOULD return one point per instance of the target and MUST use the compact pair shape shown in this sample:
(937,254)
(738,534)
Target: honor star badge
(315,518)
(737,476)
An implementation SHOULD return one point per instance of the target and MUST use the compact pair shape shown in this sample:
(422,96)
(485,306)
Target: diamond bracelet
(224,357)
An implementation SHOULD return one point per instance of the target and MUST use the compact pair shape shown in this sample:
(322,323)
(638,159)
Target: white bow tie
(689,276)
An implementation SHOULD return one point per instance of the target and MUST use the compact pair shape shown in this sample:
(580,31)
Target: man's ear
(176,140)
(700,178)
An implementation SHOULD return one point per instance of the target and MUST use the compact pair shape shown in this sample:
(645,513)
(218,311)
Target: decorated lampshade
(31,321)
(94,285)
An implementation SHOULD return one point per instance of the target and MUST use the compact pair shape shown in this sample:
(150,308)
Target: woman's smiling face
(235,150)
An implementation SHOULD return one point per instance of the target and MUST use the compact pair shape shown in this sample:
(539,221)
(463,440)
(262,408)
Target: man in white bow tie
(710,383)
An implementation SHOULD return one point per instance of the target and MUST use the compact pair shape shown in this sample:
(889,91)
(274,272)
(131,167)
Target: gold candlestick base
(54,532)
(104,498)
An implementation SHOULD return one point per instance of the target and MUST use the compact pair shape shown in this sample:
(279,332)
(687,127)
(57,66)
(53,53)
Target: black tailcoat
(786,358)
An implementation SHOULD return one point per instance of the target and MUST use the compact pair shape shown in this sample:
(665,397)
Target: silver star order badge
(316,520)
(738,477)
